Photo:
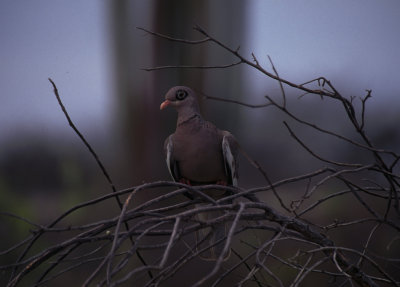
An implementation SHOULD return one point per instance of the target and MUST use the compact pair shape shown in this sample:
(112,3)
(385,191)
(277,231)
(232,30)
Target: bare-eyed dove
(198,153)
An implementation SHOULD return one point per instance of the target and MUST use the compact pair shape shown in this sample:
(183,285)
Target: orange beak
(164,104)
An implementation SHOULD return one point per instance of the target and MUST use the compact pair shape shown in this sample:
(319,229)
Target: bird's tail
(209,236)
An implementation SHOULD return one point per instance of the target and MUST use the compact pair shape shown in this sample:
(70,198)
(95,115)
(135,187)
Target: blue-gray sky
(64,40)
(354,42)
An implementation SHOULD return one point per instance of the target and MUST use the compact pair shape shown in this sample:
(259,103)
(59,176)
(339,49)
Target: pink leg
(185,181)
(221,182)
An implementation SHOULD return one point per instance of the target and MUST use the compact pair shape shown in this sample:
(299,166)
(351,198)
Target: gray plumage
(199,153)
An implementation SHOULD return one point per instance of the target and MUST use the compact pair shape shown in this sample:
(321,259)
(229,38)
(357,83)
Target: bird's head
(182,98)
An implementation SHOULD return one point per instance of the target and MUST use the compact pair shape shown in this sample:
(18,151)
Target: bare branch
(195,42)
(192,67)
(292,238)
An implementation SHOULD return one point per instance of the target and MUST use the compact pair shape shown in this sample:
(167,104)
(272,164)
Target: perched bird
(198,153)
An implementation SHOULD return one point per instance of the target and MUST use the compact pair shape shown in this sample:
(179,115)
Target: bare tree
(152,244)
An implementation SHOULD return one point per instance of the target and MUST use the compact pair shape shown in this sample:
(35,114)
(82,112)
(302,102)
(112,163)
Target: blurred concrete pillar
(142,126)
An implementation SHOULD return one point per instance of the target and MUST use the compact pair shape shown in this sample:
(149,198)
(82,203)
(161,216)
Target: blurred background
(95,55)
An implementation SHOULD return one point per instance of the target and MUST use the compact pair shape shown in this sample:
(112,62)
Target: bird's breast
(199,155)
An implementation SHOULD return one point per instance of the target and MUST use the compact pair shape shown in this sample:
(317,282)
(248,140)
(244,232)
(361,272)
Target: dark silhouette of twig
(85,142)
(164,224)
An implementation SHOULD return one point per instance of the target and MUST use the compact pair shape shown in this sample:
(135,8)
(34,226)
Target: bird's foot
(221,182)
(185,181)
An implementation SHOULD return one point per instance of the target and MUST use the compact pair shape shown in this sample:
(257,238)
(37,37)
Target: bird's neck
(187,117)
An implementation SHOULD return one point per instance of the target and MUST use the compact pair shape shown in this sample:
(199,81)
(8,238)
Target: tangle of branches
(151,244)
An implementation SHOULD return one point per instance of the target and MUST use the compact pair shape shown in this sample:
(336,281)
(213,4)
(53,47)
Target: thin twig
(191,67)
(95,156)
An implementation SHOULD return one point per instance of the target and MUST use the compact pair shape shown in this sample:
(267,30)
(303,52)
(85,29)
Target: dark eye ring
(180,95)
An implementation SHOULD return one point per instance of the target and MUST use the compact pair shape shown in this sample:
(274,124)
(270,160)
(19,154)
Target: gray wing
(229,151)
(171,162)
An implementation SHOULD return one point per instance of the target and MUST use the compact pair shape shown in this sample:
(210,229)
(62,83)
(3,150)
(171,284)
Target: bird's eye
(181,94)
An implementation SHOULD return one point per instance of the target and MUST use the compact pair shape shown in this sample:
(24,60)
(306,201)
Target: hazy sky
(64,40)
(353,42)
